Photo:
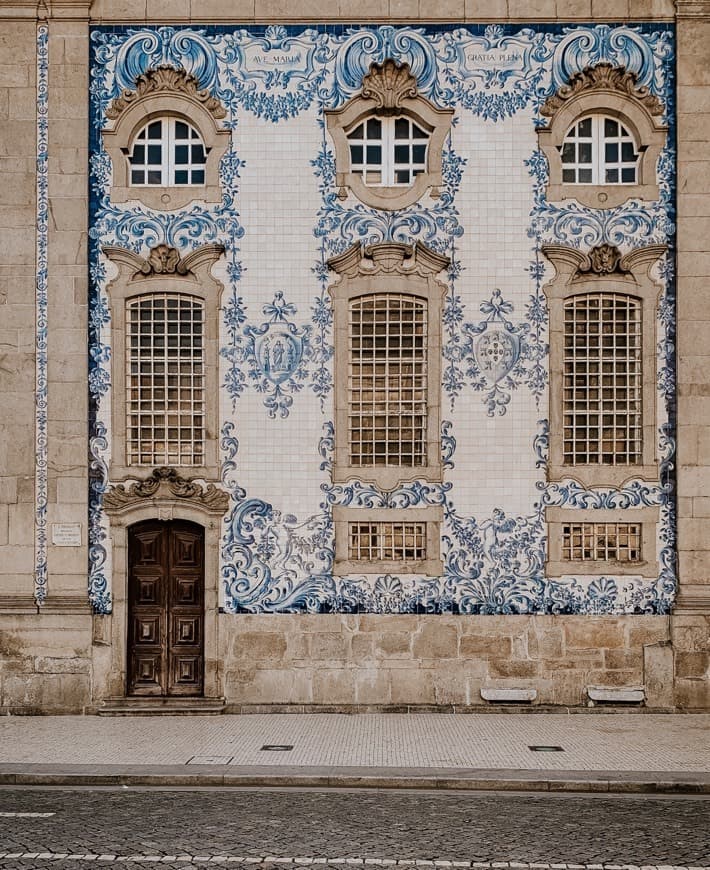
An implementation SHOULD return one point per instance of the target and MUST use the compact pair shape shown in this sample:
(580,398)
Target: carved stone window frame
(389,89)
(604,270)
(432,566)
(388,267)
(612,91)
(159,93)
(164,271)
(557,566)
(162,495)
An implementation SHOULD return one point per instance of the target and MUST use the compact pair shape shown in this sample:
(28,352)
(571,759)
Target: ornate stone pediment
(165,79)
(389,258)
(606,77)
(388,84)
(165,484)
(163,259)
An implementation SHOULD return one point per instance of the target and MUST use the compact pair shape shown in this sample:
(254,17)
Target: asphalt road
(220,825)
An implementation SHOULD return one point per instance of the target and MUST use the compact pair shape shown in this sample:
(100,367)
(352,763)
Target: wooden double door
(166,581)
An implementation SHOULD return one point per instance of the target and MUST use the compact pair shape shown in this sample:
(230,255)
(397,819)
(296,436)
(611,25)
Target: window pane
(611,152)
(418,153)
(611,127)
(628,153)
(155,130)
(374,155)
(181,130)
(584,128)
(374,128)
(585,152)
(401,153)
(401,128)
(356,154)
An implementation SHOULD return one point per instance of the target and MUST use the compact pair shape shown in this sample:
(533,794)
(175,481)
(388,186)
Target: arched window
(388,152)
(388,140)
(603,137)
(166,140)
(168,152)
(599,150)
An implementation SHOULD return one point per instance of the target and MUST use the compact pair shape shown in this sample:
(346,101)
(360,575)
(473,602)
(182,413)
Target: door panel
(165,608)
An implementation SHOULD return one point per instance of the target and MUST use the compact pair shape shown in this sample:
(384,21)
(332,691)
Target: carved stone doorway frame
(164,495)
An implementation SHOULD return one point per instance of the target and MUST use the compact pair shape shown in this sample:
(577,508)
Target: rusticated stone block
(584,632)
(60,692)
(623,659)
(273,687)
(513,668)
(330,646)
(435,641)
(647,629)
(613,678)
(394,644)
(298,647)
(333,686)
(693,637)
(372,686)
(363,648)
(692,664)
(56,665)
(375,622)
(692,694)
(485,646)
(415,686)
(260,646)
(658,674)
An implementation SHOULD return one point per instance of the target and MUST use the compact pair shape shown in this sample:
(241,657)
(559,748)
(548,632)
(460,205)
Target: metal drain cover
(276,747)
(210,759)
(545,748)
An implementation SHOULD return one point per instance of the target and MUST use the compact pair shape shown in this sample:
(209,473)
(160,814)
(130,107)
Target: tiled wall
(281,219)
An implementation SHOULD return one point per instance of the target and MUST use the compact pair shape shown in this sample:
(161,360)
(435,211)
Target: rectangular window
(387,381)
(165,380)
(603,384)
(620,542)
(386,542)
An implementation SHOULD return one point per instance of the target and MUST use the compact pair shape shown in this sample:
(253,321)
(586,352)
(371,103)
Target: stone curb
(618,782)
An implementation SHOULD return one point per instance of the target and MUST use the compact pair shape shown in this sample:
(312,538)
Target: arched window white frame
(577,149)
(168,152)
(388,151)
(388,140)
(599,149)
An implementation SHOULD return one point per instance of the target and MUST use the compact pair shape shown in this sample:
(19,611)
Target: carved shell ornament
(165,79)
(603,76)
(388,84)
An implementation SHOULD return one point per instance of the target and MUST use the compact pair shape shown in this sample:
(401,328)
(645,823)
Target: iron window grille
(620,542)
(387,542)
(165,380)
(602,402)
(387,380)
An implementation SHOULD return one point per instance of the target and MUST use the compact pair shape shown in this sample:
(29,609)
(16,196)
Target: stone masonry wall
(407,662)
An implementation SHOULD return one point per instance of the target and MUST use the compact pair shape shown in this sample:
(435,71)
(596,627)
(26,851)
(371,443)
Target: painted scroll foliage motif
(274,560)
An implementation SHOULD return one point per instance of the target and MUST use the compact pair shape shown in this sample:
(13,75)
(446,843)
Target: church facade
(354,363)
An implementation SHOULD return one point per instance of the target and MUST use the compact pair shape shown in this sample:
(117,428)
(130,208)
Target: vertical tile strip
(40,591)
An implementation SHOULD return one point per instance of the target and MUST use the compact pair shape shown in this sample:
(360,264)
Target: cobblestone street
(185,828)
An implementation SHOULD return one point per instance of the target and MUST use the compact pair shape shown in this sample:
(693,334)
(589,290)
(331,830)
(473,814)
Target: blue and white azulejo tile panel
(280,220)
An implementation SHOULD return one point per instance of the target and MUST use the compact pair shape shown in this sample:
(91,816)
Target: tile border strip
(41,483)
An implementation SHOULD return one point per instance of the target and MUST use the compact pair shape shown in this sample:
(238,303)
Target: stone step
(161,707)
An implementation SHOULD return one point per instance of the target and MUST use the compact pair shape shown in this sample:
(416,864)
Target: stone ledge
(507,695)
(614,695)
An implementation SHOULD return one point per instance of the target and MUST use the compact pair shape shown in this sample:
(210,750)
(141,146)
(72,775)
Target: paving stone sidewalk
(596,752)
